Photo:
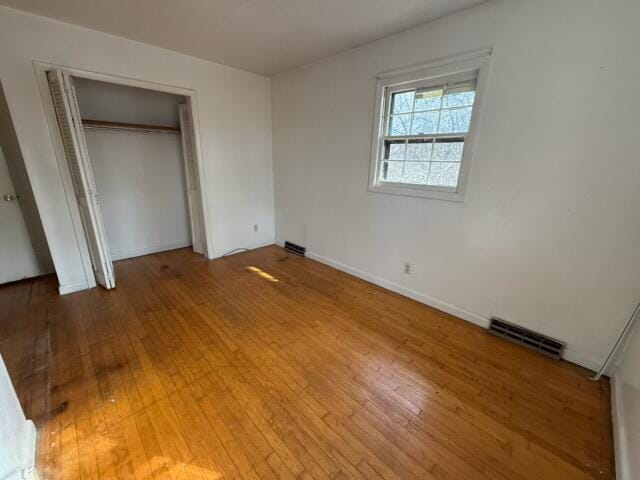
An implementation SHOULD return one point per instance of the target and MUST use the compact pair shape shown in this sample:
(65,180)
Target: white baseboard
(585,360)
(138,252)
(579,358)
(407,292)
(621,450)
(217,254)
(73,287)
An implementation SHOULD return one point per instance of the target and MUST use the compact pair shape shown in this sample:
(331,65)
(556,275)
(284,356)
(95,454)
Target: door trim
(40,69)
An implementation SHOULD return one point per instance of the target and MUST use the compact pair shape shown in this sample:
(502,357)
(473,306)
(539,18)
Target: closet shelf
(86,123)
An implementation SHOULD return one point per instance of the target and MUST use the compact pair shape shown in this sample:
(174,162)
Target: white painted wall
(24,251)
(18,439)
(17,256)
(143,198)
(234,127)
(626,404)
(548,235)
(122,103)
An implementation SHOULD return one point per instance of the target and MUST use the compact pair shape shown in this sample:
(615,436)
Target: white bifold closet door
(194,197)
(70,122)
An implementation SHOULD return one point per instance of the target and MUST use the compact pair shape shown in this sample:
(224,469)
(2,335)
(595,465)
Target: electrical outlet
(407,268)
(255,227)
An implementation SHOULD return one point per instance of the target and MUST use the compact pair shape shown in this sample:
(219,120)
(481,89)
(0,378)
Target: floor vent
(293,248)
(547,346)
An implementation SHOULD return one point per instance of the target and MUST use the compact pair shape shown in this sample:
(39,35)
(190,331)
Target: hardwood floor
(265,365)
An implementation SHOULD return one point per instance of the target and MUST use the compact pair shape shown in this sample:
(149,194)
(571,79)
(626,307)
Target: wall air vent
(547,346)
(293,248)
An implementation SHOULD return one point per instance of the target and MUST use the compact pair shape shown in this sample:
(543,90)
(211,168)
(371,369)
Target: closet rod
(86,123)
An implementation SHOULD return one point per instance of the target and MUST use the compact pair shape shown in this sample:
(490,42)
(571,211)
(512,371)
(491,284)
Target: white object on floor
(18,439)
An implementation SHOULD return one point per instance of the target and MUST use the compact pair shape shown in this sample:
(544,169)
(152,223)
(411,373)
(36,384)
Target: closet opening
(132,159)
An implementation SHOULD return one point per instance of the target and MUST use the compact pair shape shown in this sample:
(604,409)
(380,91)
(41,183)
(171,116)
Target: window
(423,130)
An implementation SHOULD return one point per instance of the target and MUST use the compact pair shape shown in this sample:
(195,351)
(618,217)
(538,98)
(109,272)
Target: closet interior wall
(139,173)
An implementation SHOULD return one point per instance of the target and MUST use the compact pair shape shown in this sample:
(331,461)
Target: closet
(131,156)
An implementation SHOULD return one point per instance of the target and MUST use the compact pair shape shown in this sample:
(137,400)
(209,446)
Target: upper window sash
(415,83)
(460,84)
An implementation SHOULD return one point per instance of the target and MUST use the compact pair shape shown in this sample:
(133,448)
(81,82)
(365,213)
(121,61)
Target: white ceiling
(262,36)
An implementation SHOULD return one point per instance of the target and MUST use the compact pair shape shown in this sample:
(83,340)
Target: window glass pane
(419,150)
(455,121)
(444,174)
(391,171)
(394,150)
(447,151)
(399,125)
(458,100)
(424,123)
(402,102)
(428,98)
(416,173)
(459,95)
(438,118)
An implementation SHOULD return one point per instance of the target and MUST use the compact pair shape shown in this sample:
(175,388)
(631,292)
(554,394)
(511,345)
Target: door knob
(10,197)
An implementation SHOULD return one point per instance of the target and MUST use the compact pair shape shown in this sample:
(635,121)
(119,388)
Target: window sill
(418,191)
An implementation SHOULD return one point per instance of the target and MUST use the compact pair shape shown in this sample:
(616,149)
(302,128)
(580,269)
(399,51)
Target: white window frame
(464,66)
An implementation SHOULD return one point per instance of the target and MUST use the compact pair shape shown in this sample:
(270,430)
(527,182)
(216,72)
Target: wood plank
(212,369)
